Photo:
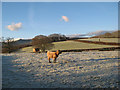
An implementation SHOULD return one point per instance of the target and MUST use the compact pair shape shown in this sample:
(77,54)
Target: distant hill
(115,34)
(98,33)
(75,35)
(23,41)
(90,34)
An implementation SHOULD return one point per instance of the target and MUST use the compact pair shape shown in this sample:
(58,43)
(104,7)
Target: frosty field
(93,69)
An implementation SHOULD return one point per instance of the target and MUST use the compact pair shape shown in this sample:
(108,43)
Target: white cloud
(14,26)
(65,18)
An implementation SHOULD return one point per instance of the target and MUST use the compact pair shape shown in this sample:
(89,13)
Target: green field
(69,45)
(102,39)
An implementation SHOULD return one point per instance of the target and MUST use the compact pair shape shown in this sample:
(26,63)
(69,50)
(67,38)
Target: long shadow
(12,77)
(100,59)
(11,80)
(6,66)
(10,74)
(8,71)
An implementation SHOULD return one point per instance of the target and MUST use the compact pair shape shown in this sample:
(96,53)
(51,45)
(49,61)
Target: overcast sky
(28,19)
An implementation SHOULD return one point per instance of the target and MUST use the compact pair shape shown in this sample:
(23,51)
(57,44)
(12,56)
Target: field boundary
(96,42)
(98,49)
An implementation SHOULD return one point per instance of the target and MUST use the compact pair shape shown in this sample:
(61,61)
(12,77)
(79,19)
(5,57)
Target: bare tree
(42,42)
(7,44)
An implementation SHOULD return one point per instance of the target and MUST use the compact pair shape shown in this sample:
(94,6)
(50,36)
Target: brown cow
(35,49)
(53,55)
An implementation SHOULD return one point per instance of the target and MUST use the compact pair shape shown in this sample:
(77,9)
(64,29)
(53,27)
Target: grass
(26,49)
(103,39)
(74,70)
(69,45)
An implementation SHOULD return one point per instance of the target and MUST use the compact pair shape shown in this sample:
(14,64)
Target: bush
(7,45)
(42,42)
(57,37)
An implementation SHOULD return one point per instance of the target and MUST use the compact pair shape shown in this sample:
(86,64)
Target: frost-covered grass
(103,39)
(93,69)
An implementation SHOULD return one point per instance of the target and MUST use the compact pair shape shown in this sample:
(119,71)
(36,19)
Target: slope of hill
(99,33)
(90,34)
(69,45)
(23,41)
(115,34)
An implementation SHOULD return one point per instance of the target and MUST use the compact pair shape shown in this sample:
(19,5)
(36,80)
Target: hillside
(68,45)
(99,32)
(115,34)
(23,41)
(90,34)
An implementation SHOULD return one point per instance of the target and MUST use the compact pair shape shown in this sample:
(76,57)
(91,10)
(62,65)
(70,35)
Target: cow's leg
(54,60)
(49,60)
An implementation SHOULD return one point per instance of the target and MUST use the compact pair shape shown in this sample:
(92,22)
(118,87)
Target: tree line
(40,41)
(45,42)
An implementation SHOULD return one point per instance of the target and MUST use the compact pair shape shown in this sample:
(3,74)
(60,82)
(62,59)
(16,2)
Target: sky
(28,19)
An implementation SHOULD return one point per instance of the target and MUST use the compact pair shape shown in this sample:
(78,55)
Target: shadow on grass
(101,59)
(13,77)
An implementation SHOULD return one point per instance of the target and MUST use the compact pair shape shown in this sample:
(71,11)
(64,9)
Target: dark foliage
(42,42)
(57,37)
(9,45)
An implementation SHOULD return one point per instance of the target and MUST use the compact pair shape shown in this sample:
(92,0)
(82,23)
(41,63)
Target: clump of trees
(42,42)
(45,42)
(7,45)
(57,37)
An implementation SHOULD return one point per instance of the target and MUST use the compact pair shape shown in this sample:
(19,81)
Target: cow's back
(51,54)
